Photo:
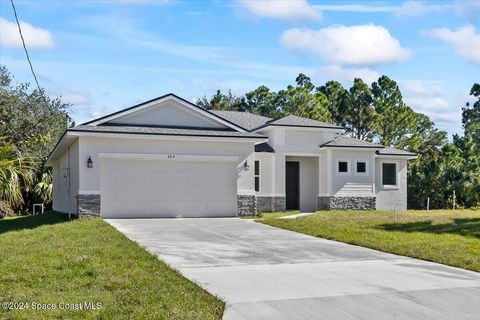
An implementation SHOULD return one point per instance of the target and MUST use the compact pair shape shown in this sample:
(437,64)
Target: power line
(26,52)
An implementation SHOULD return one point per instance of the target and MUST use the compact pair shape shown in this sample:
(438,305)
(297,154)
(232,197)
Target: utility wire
(26,52)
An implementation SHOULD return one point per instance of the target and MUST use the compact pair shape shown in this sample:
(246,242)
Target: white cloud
(465,41)
(338,73)
(356,45)
(469,9)
(292,10)
(415,8)
(430,99)
(355,8)
(34,37)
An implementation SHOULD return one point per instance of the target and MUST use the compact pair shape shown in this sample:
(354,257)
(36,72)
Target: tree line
(378,113)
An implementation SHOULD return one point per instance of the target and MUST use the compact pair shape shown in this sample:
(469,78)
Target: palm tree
(16,173)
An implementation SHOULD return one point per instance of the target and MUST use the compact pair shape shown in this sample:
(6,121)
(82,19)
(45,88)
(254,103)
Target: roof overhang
(396,156)
(71,135)
(167,97)
(350,148)
(300,128)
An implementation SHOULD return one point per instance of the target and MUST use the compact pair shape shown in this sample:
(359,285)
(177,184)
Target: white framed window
(257,175)
(343,167)
(361,167)
(389,174)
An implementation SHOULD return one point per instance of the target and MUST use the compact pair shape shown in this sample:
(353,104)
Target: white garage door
(134,188)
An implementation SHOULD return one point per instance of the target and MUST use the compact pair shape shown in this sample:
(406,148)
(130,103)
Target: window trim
(337,169)
(390,186)
(256,176)
(367,171)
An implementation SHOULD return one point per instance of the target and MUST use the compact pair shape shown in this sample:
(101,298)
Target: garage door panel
(133,188)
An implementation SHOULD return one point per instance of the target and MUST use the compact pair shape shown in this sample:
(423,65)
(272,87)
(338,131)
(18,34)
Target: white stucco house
(170,158)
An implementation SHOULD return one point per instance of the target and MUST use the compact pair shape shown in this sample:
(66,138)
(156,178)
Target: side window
(389,174)
(257,175)
(343,166)
(361,167)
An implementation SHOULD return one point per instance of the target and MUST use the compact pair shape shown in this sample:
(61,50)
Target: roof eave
(145,104)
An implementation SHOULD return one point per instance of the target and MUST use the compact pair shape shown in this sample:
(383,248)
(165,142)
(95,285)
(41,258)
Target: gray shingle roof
(344,141)
(263,147)
(165,131)
(295,121)
(395,152)
(349,142)
(246,120)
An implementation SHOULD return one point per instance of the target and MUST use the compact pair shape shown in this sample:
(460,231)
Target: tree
(32,123)
(262,101)
(303,100)
(16,174)
(221,101)
(360,114)
(394,121)
(338,101)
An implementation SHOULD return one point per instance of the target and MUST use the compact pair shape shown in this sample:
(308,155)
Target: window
(343,166)
(361,167)
(389,174)
(257,176)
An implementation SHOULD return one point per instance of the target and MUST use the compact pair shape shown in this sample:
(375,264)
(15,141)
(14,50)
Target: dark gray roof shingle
(165,131)
(296,121)
(344,141)
(263,147)
(395,152)
(246,120)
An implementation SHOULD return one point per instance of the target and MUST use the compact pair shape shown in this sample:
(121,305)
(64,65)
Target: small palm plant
(16,173)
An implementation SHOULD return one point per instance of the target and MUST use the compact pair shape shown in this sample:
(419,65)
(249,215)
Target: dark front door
(292,185)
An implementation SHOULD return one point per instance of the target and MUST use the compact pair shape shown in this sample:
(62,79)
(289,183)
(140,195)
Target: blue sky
(106,55)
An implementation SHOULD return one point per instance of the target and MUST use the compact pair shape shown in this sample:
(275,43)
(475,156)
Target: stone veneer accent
(246,205)
(346,203)
(271,204)
(88,205)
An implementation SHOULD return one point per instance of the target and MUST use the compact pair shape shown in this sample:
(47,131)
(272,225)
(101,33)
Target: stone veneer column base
(346,203)
(271,204)
(246,205)
(88,205)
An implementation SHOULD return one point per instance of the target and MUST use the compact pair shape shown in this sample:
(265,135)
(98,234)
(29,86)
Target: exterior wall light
(89,162)
(246,167)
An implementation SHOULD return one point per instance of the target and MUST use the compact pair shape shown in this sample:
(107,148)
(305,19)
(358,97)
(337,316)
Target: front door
(292,185)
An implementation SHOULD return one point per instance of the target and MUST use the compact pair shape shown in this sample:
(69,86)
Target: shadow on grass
(469,227)
(31,222)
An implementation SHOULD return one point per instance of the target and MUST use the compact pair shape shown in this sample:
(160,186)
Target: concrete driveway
(268,273)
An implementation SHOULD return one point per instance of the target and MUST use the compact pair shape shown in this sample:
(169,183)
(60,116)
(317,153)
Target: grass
(271,215)
(47,259)
(443,236)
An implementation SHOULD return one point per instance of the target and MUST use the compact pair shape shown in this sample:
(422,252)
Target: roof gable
(167,111)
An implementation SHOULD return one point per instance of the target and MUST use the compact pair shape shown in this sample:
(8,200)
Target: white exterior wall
(308,182)
(289,141)
(267,177)
(351,183)
(66,180)
(92,146)
(388,196)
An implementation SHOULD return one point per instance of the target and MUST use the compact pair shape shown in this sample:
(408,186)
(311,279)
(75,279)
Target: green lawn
(444,236)
(47,259)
